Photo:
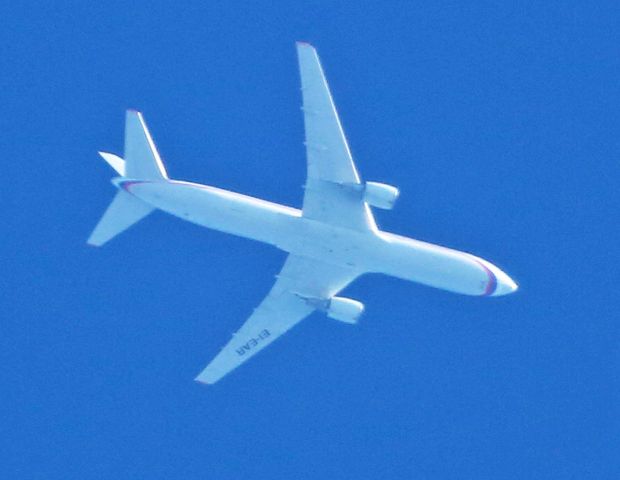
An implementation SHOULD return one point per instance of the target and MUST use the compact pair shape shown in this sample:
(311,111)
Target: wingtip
(93,242)
(203,382)
(301,43)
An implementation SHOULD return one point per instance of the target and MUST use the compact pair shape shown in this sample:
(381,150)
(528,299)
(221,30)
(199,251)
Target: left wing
(333,185)
(285,306)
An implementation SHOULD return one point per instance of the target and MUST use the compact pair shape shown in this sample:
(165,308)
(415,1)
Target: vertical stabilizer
(142,160)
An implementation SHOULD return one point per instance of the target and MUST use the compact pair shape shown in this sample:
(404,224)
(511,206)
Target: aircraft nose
(505,284)
(499,283)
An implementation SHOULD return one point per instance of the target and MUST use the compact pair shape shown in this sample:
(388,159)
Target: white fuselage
(287,229)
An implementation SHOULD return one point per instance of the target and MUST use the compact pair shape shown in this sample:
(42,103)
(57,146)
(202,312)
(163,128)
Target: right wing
(333,194)
(333,191)
(285,306)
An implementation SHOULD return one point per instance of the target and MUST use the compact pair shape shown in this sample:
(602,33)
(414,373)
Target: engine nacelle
(380,195)
(345,310)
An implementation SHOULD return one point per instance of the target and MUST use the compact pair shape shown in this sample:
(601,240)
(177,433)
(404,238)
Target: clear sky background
(499,121)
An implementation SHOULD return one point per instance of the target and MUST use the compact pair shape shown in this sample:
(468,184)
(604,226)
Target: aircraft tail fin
(141,162)
(123,212)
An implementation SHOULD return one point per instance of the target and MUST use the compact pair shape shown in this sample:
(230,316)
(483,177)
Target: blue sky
(497,120)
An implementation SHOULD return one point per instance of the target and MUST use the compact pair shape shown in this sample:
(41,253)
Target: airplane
(330,242)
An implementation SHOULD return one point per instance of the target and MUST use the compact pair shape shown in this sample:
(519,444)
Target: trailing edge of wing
(329,157)
(330,195)
(277,314)
(283,308)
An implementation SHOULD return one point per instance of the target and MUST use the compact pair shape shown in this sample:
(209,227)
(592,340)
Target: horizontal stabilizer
(123,212)
(116,162)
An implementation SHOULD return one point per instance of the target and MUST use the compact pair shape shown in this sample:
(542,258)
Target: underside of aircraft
(331,240)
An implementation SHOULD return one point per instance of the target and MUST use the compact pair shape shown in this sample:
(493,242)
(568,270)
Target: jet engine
(345,310)
(380,195)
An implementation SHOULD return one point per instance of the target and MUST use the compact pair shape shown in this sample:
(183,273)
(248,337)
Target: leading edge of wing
(332,194)
(286,305)
(274,316)
(325,139)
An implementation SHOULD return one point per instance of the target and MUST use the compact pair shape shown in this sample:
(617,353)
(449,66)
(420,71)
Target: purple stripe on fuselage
(492,283)
(127,184)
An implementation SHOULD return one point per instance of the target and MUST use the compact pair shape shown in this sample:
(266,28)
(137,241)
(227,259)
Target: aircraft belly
(407,259)
(285,228)
(433,265)
(220,210)
(327,243)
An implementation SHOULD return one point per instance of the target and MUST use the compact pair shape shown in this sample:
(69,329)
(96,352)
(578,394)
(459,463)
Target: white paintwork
(122,213)
(332,192)
(345,310)
(141,157)
(116,162)
(331,241)
(380,195)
